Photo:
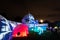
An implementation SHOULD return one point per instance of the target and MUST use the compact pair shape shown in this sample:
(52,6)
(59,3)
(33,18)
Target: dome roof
(27,18)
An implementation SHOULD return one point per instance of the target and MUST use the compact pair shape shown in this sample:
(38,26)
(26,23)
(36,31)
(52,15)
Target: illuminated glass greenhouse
(9,29)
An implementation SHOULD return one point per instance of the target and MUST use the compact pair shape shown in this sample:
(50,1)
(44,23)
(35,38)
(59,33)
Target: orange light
(41,20)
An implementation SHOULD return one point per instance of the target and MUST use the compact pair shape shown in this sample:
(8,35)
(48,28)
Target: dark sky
(40,9)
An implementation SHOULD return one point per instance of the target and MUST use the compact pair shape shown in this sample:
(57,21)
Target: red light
(21,30)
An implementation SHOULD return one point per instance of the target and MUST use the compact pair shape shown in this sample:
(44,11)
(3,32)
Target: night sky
(40,9)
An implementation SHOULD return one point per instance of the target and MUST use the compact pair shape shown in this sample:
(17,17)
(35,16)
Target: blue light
(6,27)
(40,28)
(33,24)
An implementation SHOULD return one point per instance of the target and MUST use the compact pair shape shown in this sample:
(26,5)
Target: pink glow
(22,29)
